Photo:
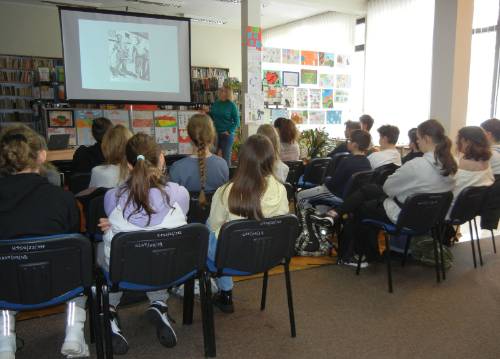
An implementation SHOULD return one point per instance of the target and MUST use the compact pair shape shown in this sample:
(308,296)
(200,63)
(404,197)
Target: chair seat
(54,301)
(123,285)
(390,228)
(226,271)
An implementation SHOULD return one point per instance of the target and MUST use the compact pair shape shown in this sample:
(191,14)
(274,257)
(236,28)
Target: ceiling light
(230,1)
(207,20)
(170,3)
(79,3)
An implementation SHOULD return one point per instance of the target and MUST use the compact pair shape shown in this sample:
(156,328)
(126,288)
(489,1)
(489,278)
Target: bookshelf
(205,82)
(26,82)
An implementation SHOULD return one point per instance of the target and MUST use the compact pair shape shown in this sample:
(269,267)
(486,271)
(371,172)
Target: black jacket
(347,167)
(86,158)
(339,149)
(31,206)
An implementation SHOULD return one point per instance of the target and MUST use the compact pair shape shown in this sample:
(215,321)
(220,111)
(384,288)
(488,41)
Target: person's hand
(225,133)
(104,224)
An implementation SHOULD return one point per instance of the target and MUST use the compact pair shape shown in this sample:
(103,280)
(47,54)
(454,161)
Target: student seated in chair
(289,136)
(114,171)
(492,129)
(280,169)
(388,153)
(414,149)
(146,201)
(202,171)
(350,126)
(87,157)
(432,173)
(253,193)
(31,207)
(333,189)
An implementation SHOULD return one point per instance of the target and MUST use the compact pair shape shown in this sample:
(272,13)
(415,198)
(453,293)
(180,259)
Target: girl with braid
(202,171)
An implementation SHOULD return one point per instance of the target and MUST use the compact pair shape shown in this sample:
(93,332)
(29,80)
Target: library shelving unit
(26,81)
(205,82)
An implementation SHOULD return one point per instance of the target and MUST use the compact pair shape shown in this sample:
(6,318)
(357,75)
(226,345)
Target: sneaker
(353,262)
(118,341)
(224,301)
(158,315)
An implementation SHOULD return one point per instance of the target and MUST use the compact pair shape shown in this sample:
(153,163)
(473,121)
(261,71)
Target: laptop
(58,142)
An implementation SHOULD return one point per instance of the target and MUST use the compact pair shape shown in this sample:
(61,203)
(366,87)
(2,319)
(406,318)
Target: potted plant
(315,142)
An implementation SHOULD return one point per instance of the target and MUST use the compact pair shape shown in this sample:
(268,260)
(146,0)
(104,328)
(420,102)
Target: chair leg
(478,243)
(472,244)
(264,292)
(188,302)
(107,324)
(290,299)
(92,314)
(360,259)
(207,315)
(440,236)
(407,247)
(493,240)
(96,322)
(388,260)
(436,256)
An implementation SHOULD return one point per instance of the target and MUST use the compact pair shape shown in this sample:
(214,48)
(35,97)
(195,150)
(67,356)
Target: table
(60,155)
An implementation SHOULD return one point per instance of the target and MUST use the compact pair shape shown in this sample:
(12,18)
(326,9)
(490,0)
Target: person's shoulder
(217,160)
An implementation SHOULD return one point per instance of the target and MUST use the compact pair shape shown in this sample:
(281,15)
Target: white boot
(7,335)
(74,345)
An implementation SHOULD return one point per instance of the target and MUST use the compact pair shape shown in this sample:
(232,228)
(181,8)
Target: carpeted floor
(338,315)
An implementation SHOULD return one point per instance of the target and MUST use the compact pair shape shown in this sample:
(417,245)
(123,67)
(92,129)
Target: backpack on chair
(313,237)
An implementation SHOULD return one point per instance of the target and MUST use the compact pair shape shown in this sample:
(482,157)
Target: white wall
(34,30)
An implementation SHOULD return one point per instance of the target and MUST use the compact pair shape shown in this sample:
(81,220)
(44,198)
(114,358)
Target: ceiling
(274,12)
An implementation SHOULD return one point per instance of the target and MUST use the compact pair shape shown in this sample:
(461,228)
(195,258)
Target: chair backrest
(170,159)
(95,211)
(295,170)
(422,211)
(468,204)
(197,213)
(315,170)
(78,182)
(37,270)
(232,171)
(158,258)
(256,246)
(357,180)
(490,212)
(334,163)
(381,173)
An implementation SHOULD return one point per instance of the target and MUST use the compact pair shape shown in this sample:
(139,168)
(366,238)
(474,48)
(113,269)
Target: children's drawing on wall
(326,59)
(333,117)
(288,97)
(291,57)
(315,98)
(328,98)
(302,95)
(343,81)
(316,117)
(271,55)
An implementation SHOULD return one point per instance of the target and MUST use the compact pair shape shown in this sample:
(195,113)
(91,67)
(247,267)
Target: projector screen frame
(127,13)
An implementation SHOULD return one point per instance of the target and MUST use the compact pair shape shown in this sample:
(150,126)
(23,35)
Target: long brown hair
(143,154)
(270,132)
(19,148)
(113,147)
(442,152)
(256,163)
(288,132)
(202,133)
(476,146)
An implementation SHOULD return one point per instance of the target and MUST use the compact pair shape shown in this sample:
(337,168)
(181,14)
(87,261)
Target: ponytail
(202,198)
(442,152)
(143,153)
(19,149)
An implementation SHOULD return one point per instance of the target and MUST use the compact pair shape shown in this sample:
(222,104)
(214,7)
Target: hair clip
(14,137)
(141,157)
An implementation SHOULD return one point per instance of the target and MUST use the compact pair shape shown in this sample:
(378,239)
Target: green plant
(316,142)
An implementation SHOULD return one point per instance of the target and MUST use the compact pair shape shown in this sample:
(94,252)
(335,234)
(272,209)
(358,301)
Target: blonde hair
(202,133)
(270,132)
(19,149)
(113,147)
(229,92)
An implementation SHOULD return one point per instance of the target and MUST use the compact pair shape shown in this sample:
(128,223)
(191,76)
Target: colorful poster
(309,58)
(308,77)
(328,98)
(299,117)
(58,118)
(291,57)
(302,95)
(343,81)
(341,96)
(118,117)
(279,112)
(288,97)
(63,130)
(272,94)
(315,98)
(333,117)
(326,59)
(142,122)
(343,60)
(184,142)
(272,77)
(316,117)
(83,121)
(183,118)
(166,127)
(254,37)
(272,55)
(326,80)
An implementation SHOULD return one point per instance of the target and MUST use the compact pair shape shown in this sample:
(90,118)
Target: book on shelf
(21,76)
(43,74)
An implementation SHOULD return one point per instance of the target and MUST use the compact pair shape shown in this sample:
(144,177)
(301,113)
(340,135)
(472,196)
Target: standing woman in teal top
(226,119)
